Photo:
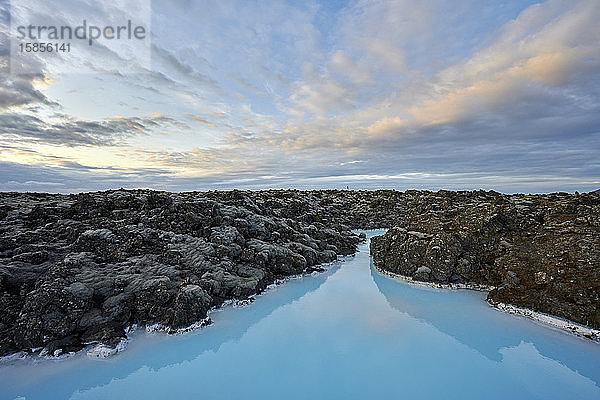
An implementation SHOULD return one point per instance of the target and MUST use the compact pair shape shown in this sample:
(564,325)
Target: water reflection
(347,333)
(484,329)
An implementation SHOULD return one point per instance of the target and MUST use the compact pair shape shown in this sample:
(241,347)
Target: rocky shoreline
(539,253)
(435,285)
(80,270)
(545,319)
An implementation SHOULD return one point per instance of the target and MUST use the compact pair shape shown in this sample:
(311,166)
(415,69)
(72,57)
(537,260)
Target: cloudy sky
(401,94)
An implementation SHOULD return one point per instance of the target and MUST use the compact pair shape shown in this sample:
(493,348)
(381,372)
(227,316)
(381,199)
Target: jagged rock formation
(540,252)
(78,269)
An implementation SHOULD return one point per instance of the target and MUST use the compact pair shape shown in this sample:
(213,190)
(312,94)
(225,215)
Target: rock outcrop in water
(540,252)
(77,269)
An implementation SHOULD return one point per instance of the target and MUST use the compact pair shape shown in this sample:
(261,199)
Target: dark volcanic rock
(77,269)
(540,252)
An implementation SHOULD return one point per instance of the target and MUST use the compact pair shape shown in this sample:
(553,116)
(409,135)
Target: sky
(225,94)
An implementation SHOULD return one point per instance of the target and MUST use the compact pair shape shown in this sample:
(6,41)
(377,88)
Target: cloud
(386,125)
(182,71)
(68,131)
(500,75)
(321,96)
(343,64)
(15,91)
(201,120)
(422,94)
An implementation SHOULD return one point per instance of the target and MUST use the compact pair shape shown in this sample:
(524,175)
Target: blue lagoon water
(348,333)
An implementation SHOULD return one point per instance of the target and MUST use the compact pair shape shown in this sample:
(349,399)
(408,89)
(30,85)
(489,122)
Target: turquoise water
(348,333)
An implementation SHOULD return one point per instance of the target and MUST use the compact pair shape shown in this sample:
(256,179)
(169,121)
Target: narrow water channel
(347,333)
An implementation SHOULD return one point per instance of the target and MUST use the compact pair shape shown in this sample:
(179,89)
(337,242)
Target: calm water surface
(348,333)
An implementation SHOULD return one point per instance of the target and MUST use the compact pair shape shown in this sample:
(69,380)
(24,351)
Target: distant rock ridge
(539,252)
